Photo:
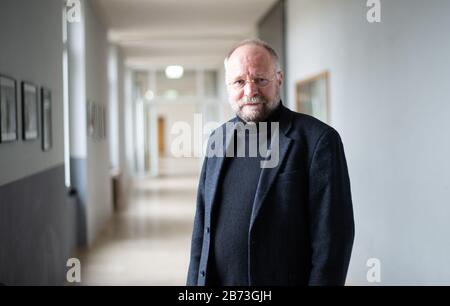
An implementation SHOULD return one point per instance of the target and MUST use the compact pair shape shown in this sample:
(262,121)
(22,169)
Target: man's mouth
(252,101)
(252,104)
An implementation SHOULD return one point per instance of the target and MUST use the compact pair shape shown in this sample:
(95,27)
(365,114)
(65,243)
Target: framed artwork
(8,109)
(104,123)
(312,96)
(29,111)
(95,118)
(46,109)
(99,121)
(90,118)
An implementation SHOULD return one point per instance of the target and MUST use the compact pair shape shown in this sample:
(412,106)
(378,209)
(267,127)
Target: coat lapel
(267,178)
(268,175)
(215,166)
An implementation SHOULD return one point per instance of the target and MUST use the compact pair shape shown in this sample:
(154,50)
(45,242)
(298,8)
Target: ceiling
(193,33)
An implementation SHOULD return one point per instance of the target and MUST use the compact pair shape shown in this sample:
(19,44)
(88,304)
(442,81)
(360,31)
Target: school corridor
(106,106)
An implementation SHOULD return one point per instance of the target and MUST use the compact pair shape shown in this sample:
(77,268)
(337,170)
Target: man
(290,224)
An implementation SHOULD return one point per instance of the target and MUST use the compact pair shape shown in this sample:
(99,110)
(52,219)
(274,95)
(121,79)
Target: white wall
(128,116)
(88,81)
(389,101)
(121,125)
(113,110)
(99,201)
(76,44)
(31,50)
(173,114)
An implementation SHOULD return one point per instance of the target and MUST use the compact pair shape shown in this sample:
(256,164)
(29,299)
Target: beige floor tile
(148,241)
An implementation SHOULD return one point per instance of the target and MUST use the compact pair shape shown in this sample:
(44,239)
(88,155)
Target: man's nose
(250,89)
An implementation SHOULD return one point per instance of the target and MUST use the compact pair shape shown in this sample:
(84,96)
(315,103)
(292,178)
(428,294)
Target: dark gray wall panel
(37,229)
(78,180)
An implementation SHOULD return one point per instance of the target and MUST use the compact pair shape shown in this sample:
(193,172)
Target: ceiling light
(174,72)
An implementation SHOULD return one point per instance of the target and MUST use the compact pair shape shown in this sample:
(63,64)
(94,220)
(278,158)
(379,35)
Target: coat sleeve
(198,230)
(331,212)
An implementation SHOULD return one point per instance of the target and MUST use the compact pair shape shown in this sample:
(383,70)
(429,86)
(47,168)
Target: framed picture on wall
(96,120)
(100,121)
(312,96)
(8,109)
(29,111)
(102,128)
(104,122)
(90,118)
(46,109)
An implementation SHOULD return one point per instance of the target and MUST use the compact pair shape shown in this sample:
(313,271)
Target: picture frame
(8,109)
(101,123)
(95,119)
(105,127)
(312,96)
(90,118)
(46,113)
(30,111)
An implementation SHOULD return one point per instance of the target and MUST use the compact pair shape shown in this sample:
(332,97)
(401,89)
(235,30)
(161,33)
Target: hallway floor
(148,241)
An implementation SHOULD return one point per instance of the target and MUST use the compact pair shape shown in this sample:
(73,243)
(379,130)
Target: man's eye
(261,81)
(239,82)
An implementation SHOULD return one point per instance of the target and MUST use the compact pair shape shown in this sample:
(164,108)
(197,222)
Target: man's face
(253,83)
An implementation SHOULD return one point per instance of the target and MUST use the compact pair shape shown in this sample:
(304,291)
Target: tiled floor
(148,241)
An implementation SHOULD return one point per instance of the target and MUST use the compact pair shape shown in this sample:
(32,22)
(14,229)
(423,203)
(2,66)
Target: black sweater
(228,264)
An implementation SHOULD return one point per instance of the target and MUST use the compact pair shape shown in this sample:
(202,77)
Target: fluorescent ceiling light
(174,72)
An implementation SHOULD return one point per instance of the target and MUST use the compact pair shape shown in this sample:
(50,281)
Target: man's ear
(280,77)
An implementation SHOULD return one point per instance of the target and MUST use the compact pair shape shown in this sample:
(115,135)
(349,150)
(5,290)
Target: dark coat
(301,229)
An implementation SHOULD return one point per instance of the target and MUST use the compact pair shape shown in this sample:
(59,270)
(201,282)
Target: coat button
(203,273)
(207,230)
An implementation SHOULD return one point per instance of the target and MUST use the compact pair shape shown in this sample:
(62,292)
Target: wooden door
(161,138)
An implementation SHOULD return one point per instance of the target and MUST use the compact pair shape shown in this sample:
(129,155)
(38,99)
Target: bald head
(256,43)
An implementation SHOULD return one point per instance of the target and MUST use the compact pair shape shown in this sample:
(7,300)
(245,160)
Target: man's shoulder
(306,126)
(301,125)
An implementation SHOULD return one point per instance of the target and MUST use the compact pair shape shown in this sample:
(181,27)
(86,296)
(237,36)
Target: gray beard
(255,117)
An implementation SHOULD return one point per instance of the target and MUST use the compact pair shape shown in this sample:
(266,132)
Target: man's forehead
(252,57)
(249,54)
